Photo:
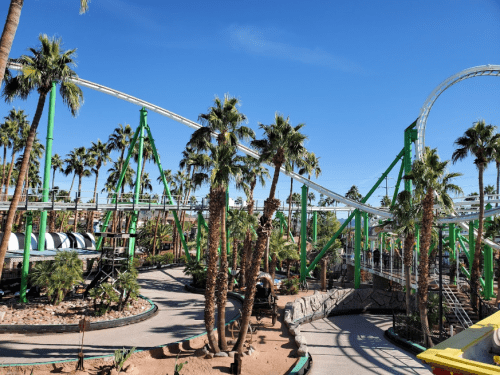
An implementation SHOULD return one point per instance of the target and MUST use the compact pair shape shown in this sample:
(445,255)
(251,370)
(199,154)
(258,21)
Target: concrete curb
(403,343)
(65,328)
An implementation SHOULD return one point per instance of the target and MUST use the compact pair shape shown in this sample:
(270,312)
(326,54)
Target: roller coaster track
(468,73)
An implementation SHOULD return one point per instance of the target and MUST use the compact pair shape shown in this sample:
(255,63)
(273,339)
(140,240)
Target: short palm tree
(120,140)
(406,214)
(100,153)
(57,166)
(282,142)
(82,168)
(253,172)
(481,142)
(430,179)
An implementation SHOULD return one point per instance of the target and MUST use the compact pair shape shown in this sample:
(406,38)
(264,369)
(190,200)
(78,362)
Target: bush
(167,258)
(58,277)
(199,273)
(184,259)
(107,295)
(290,286)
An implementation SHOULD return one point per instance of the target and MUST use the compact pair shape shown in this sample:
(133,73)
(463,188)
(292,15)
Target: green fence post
(198,238)
(303,234)
(367,229)
(26,257)
(315,226)
(137,188)
(47,167)
(357,250)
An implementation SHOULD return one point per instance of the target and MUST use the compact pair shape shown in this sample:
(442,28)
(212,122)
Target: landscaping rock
(232,354)
(209,355)
(201,352)
(221,354)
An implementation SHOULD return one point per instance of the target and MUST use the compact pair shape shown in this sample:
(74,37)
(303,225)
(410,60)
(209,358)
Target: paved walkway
(355,344)
(180,316)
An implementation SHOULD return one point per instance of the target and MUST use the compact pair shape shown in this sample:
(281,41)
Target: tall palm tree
(7,129)
(71,161)
(481,142)
(146,183)
(37,151)
(385,201)
(225,119)
(57,166)
(282,142)
(17,123)
(100,152)
(147,154)
(430,177)
(168,177)
(489,190)
(10,28)
(253,172)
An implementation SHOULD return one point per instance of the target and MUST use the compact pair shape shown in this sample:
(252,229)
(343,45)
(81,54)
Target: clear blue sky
(356,72)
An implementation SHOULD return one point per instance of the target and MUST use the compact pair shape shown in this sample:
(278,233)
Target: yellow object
(449,355)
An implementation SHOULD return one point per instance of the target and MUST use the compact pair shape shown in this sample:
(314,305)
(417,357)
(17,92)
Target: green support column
(26,257)
(303,234)
(315,226)
(137,187)
(357,250)
(367,237)
(452,240)
(488,263)
(471,245)
(48,165)
(198,237)
(410,136)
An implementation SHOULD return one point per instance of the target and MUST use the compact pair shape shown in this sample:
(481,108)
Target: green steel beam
(367,229)
(357,250)
(315,226)
(471,245)
(118,186)
(167,190)
(198,237)
(410,136)
(488,263)
(137,188)
(398,183)
(452,243)
(334,237)
(303,235)
(48,166)
(26,257)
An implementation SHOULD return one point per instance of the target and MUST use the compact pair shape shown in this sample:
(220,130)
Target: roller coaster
(414,134)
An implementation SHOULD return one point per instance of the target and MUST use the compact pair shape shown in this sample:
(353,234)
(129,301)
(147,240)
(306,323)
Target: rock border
(94,326)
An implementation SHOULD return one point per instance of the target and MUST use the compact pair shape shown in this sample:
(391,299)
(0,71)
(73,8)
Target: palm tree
(120,140)
(8,130)
(16,124)
(281,143)
(354,194)
(429,177)
(37,151)
(253,172)
(481,142)
(223,117)
(406,212)
(10,28)
(112,182)
(168,177)
(57,165)
(489,190)
(385,201)
(82,168)
(100,152)
(147,154)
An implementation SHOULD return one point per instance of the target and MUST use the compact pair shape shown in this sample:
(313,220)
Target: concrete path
(180,316)
(355,344)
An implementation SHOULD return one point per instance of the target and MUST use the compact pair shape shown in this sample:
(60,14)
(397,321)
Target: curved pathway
(355,344)
(180,316)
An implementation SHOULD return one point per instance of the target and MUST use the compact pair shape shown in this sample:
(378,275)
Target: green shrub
(127,287)
(107,295)
(290,286)
(199,273)
(167,258)
(183,259)
(121,356)
(58,277)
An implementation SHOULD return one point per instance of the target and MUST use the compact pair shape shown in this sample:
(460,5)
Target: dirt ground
(275,355)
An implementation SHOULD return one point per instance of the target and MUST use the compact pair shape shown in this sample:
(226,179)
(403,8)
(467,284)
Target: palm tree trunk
(9,31)
(235,263)
(20,181)
(274,262)
(156,233)
(423,267)
(9,174)
(214,236)
(474,278)
(246,256)
(265,226)
(408,257)
(289,208)
(75,224)
(53,178)
(222,279)
(3,165)
(71,187)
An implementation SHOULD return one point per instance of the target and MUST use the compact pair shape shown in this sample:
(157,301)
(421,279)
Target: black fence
(410,328)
